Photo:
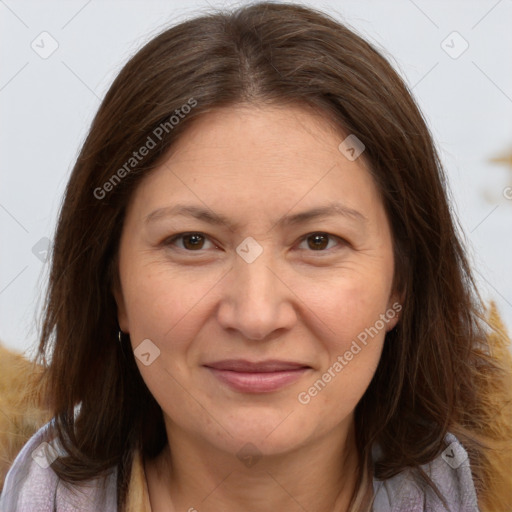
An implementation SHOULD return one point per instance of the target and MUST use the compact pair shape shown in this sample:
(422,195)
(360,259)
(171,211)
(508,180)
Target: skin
(254,165)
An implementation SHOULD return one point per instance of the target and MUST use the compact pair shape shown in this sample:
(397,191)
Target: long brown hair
(426,382)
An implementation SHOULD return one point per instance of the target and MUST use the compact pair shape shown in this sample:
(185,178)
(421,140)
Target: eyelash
(170,241)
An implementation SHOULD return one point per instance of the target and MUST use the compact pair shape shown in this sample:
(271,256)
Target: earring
(120,336)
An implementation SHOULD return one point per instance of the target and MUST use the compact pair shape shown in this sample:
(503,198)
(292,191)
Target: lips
(257,377)
(241,365)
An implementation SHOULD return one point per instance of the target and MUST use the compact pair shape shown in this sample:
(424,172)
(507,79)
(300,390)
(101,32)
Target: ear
(394,308)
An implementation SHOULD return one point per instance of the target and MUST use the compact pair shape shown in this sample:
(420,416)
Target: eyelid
(341,241)
(171,239)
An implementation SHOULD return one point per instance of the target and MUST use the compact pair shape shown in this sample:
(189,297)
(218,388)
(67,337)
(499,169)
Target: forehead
(261,158)
(262,131)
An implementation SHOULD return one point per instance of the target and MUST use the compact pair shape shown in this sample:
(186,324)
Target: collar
(138,494)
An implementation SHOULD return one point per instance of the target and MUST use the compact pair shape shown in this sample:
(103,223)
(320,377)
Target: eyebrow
(207,215)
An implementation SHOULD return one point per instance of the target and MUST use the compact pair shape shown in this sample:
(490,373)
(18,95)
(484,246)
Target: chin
(270,434)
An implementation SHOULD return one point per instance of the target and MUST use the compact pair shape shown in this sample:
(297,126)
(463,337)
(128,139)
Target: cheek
(352,350)
(352,308)
(349,305)
(160,308)
(159,301)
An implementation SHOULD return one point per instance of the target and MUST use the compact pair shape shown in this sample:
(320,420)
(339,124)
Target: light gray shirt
(32,486)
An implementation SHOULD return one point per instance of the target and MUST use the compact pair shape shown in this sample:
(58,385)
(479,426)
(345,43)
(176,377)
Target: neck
(197,477)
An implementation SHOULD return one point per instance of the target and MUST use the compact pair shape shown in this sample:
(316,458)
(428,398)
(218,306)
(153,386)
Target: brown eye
(318,241)
(191,242)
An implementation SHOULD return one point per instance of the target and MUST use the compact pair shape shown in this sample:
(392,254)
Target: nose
(256,300)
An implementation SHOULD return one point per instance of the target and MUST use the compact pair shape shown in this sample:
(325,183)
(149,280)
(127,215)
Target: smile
(257,377)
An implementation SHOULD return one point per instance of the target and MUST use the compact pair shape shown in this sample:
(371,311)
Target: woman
(258,298)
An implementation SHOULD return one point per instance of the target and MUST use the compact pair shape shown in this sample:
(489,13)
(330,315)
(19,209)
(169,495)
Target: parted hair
(426,383)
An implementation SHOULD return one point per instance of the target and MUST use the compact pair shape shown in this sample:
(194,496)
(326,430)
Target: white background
(48,104)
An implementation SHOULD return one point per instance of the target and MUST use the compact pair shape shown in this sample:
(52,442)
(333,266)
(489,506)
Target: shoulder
(31,484)
(450,472)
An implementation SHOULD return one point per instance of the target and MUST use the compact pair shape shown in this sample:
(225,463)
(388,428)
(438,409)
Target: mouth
(257,377)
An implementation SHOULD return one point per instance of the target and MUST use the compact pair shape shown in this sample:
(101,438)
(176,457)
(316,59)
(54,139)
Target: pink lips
(257,377)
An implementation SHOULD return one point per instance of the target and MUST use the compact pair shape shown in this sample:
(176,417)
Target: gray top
(31,485)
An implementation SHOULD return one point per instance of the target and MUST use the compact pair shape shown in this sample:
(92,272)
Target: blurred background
(59,58)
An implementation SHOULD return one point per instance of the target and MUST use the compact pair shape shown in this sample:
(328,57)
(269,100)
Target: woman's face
(267,326)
